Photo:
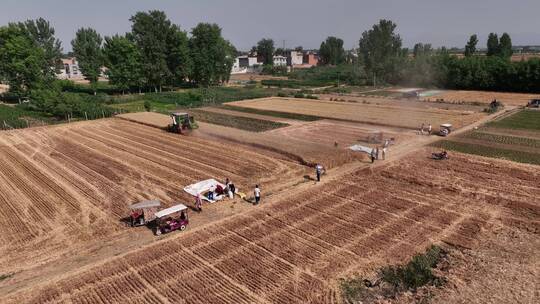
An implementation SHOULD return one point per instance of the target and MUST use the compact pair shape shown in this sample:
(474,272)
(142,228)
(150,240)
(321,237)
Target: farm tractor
(181,122)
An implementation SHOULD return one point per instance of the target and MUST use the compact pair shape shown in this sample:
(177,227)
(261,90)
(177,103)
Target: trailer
(143,212)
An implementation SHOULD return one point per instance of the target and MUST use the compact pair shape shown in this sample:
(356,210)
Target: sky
(301,22)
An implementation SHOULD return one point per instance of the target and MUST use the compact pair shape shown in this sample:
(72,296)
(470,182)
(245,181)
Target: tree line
(380,58)
(155,53)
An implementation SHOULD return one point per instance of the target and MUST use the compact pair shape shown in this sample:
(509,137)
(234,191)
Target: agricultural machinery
(440,156)
(171,219)
(445,129)
(181,122)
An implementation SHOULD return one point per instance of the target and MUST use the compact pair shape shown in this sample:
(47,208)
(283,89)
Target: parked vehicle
(445,129)
(534,103)
(171,219)
(143,213)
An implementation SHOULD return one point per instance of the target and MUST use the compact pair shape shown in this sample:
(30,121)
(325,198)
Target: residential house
(295,58)
(311,59)
(70,69)
(280,60)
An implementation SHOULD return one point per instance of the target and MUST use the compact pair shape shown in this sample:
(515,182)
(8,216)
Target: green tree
(123,61)
(21,61)
(470,48)
(42,33)
(421,49)
(178,55)
(331,51)
(505,46)
(87,50)
(493,45)
(149,31)
(265,48)
(211,54)
(380,50)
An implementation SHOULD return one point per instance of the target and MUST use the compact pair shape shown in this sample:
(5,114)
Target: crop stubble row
(71,184)
(291,250)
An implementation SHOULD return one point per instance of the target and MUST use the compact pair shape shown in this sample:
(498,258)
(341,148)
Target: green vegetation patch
(286,115)
(504,139)
(525,119)
(391,280)
(5,276)
(18,117)
(487,151)
(238,122)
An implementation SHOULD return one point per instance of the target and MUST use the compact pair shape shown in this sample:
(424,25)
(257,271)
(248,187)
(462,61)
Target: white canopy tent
(359,148)
(203,187)
(170,210)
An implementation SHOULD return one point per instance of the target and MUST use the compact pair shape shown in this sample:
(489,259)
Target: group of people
(424,130)
(376,152)
(229,190)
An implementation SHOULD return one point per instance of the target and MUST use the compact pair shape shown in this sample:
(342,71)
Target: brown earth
(388,115)
(400,102)
(511,99)
(65,189)
(293,249)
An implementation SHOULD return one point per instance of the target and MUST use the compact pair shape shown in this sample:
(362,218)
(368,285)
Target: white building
(295,58)
(70,69)
(280,60)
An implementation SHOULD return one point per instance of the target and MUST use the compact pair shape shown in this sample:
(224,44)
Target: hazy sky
(298,22)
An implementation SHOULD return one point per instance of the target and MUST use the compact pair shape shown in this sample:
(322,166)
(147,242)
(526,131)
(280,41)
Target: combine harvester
(181,122)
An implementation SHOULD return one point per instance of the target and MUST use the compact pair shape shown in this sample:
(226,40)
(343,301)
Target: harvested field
(510,99)
(151,119)
(234,121)
(307,151)
(301,142)
(293,250)
(66,187)
(388,115)
(401,102)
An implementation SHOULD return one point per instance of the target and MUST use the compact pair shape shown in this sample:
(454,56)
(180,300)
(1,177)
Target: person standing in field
(319,169)
(429,129)
(422,129)
(384,150)
(257,193)
(211,192)
(373,155)
(198,202)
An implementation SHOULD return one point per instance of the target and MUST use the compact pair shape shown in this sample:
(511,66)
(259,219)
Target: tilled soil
(65,188)
(511,99)
(294,249)
(384,115)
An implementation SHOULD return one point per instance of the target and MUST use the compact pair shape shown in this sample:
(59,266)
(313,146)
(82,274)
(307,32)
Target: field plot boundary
(413,114)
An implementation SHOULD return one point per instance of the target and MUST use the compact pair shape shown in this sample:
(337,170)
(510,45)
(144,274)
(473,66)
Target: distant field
(483,97)
(515,138)
(386,115)
(238,122)
(527,120)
